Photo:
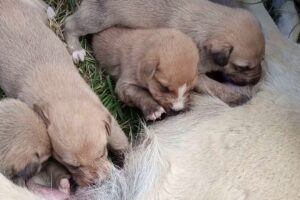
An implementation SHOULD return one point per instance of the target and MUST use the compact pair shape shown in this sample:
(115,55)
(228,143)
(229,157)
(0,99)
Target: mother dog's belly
(250,152)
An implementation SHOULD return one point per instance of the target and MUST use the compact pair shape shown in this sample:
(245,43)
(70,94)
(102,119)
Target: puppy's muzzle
(250,77)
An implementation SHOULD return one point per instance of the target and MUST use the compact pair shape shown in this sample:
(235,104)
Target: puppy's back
(116,45)
(27,45)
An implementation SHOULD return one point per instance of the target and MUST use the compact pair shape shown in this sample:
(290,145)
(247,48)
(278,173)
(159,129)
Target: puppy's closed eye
(107,127)
(241,68)
(164,89)
(103,154)
(72,167)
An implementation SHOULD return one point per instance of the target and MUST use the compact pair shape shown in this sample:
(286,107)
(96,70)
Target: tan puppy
(24,142)
(231,39)
(35,67)
(155,69)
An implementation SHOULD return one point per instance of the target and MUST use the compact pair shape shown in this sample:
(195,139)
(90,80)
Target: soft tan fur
(155,69)
(35,67)
(24,142)
(218,153)
(230,39)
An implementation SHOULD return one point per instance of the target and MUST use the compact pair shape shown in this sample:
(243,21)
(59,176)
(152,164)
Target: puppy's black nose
(173,112)
(163,116)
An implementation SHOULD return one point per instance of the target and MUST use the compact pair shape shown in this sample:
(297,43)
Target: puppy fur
(53,175)
(231,39)
(35,67)
(24,141)
(155,69)
(215,152)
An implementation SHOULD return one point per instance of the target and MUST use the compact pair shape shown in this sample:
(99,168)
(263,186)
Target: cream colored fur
(219,153)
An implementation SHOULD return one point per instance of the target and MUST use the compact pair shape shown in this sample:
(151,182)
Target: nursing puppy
(53,175)
(155,69)
(230,38)
(24,142)
(35,67)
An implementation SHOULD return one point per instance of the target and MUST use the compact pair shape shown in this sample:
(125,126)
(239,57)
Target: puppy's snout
(178,105)
(250,77)
(87,177)
(182,96)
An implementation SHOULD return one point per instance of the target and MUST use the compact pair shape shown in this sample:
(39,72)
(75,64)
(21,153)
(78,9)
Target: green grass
(101,83)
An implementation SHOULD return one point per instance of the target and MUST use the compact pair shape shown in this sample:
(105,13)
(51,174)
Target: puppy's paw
(154,113)
(78,56)
(64,186)
(237,100)
(51,13)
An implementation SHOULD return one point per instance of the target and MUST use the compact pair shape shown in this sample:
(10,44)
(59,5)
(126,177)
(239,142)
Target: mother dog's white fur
(250,152)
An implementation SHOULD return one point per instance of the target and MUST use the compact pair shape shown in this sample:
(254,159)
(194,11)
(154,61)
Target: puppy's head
(79,132)
(169,70)
(30,147)
(238,48)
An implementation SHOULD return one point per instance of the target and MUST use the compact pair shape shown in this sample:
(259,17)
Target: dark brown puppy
(53,175)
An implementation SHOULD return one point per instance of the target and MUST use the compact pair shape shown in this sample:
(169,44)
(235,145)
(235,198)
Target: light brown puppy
(24,142)
(230,38)
(155,69)
(35,67)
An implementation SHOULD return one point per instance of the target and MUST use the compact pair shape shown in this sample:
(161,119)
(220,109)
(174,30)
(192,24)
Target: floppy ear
(42,114)
(218,50)
(148,66)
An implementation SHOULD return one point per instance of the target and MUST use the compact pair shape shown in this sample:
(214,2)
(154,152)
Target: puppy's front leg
(223,92)
(134,95)
(89,18)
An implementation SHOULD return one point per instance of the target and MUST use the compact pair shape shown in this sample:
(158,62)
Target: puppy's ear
(42,114)
(219,51)
(29,171)
(148,66)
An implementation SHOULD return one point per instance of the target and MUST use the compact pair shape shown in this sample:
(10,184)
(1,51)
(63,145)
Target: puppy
(24,142)
(53,175)
(230,38)
(35,67)
(155,69)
